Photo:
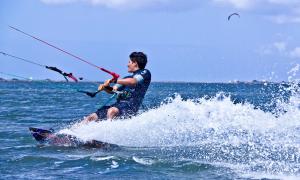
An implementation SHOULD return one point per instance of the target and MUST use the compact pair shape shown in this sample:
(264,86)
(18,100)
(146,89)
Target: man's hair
(140,58)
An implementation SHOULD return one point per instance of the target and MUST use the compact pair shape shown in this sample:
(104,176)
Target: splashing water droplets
(220,130)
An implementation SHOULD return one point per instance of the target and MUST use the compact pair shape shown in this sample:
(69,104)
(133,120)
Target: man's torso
(134,95)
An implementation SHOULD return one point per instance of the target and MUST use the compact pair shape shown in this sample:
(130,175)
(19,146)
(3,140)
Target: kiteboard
(44,136)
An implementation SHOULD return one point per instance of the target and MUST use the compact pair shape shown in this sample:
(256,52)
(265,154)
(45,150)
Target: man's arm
(127,82)
(124,82)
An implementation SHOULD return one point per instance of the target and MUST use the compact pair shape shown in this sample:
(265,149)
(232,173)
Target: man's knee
(92,117)
(112,112)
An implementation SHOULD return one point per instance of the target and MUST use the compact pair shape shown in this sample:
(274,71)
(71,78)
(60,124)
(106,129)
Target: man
(133,90)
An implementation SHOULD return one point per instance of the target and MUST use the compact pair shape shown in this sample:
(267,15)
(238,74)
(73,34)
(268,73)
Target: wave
(211,129)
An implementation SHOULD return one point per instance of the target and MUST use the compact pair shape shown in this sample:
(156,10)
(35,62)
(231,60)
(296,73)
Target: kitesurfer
(133,89)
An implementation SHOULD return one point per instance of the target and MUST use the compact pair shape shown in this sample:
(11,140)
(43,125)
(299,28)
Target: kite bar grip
(115,75)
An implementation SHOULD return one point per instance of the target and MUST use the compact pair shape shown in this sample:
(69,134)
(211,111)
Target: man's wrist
(114,81)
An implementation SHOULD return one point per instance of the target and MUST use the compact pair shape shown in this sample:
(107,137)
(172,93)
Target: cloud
(284,2)
(131,4)
(248,4)
(283,19)
(276,47)
(58,1)
(295,53)
(239,4)
(280,46)
(276,11)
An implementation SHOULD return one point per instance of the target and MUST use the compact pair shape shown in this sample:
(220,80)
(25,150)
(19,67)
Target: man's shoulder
(145,72)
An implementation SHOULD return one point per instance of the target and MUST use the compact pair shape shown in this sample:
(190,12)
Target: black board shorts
(125,110)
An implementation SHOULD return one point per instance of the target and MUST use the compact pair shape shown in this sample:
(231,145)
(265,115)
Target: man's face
(132,66)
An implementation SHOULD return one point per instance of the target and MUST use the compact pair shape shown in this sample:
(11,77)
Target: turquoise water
(183,131)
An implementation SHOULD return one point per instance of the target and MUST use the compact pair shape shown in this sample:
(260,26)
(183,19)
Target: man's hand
(105,86)
(106,83)
(101,87)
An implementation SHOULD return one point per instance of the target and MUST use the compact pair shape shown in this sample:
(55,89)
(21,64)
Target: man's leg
(91,117)
(99,114)
(112,113)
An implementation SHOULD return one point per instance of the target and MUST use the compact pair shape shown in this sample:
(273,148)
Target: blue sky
(185,40)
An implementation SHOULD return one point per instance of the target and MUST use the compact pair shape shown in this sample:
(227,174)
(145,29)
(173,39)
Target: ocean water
(183,131)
